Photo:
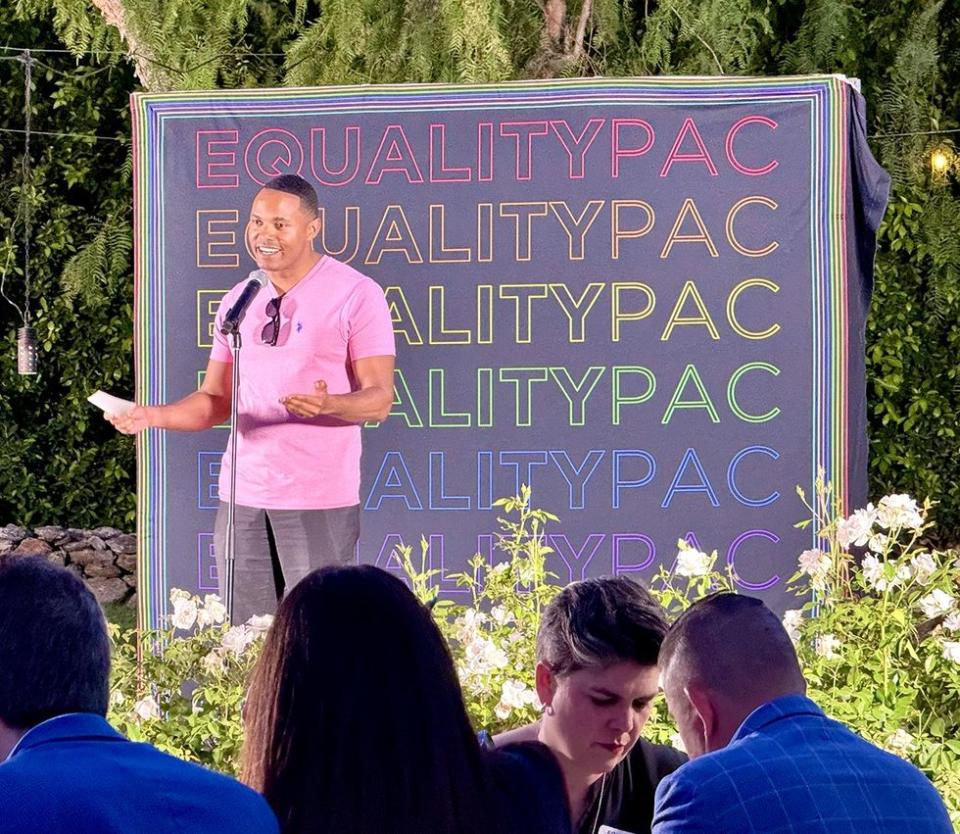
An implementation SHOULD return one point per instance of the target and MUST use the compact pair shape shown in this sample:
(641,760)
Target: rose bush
(182,688)
(877,630)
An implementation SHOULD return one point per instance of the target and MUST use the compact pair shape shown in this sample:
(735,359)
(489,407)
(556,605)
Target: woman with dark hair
(355,723)
(597,676)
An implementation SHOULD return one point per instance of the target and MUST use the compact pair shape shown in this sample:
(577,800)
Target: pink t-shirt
(333,316)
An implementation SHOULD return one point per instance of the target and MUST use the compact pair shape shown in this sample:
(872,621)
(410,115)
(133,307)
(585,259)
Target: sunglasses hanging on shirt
(271,330)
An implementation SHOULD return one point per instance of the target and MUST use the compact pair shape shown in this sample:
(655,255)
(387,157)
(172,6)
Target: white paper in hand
(110,404)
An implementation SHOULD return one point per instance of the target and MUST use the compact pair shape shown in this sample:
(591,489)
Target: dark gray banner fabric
(644,298)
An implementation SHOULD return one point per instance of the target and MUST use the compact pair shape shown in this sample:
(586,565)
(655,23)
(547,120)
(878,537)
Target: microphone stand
(230,550)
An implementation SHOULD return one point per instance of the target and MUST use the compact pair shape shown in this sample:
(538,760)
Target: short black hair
(598,622)
(732,643)
(54,648)
(299,187)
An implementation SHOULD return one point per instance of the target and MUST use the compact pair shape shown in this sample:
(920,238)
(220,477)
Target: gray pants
(277,548)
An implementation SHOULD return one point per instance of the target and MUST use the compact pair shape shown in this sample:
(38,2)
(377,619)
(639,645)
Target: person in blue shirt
(764,757)
(63,768)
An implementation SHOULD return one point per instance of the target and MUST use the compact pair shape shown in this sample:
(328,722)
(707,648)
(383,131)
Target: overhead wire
(242,54)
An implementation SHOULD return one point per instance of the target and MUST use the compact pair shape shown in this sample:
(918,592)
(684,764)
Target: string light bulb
(940,161)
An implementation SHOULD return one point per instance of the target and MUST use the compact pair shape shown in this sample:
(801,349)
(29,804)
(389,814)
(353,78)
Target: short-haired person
(763,756)
(63,769)
(355,723)
(317,361)
(597,676)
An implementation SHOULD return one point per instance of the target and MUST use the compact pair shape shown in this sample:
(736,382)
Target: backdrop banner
(645,298)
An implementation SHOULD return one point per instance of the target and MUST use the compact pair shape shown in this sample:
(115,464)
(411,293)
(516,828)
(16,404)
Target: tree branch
(150,72)
(577,52)
(554,18)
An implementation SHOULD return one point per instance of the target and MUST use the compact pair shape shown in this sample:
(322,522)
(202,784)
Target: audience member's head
(725,656)
(54,649)
(355,721)
(597,671)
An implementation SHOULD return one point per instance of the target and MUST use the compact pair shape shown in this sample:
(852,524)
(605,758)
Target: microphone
(231,321)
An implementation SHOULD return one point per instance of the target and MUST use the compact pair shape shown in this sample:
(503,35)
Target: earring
(548,710)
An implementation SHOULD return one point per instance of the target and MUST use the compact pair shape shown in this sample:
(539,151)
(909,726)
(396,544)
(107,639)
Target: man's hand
(134,421)
(371,402)
(308,405)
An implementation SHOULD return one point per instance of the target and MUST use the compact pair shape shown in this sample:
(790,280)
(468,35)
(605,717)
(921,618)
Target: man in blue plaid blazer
(765,758)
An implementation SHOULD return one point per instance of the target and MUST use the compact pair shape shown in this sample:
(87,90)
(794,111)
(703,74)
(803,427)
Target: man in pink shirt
(317,361)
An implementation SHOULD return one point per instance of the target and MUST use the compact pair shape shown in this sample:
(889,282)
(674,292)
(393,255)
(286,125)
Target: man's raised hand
(308,405)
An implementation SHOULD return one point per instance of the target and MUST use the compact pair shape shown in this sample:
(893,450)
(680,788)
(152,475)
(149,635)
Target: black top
(529,785)
(628,789)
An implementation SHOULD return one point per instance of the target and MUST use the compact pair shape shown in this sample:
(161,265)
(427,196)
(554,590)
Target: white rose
(884,575)
(509,693)
(216,610)
(475,657)
(952,622)
(469,624)
(826,646)
(260,624)
(501,615)
(692,562)
(873,572)
(924,566)
(236,639)
(214,663)
(178,593)
(472,618)
(856,529)
(117,698)
(517,695)
(495,656)
(900,742)
(792,621)
(817,565)
(895,511)
(878,542)
(951,651)
(147,708)
(502,711)
(937,602)
(904,573)
(184,613)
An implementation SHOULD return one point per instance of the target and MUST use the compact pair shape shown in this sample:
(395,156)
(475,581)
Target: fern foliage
(828,30)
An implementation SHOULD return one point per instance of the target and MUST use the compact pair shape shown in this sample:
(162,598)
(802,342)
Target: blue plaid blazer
(789,768)
(75,774)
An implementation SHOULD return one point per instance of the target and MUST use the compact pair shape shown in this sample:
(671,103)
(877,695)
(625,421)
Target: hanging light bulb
(26,335)
(26,351)
(940,161)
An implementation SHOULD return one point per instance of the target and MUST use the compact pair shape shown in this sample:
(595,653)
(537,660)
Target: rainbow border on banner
(828,97)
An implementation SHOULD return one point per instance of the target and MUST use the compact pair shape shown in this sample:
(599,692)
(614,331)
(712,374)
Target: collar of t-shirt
(36,728)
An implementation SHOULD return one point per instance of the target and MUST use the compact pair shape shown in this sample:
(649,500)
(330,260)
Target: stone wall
(105,558)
